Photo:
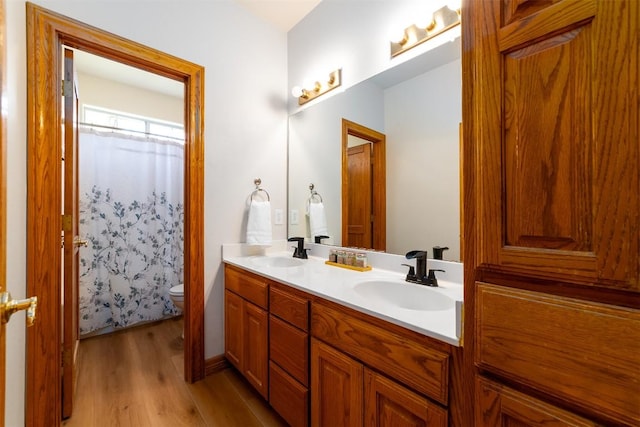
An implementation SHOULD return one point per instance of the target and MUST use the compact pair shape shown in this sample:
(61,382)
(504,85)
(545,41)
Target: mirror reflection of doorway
(363,187)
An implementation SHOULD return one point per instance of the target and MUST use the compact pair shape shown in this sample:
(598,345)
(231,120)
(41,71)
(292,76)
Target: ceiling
(282,14)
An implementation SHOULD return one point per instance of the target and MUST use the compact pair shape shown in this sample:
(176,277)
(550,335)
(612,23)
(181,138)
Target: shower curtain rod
(129,130)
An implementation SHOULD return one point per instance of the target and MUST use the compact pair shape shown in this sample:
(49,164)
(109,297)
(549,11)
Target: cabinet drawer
(288,397)
(566,347)
(291,308)
(289,348)
(403,358)
(249,286)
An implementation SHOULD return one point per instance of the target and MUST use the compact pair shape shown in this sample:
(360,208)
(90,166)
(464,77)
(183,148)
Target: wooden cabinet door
(388,404)
(255,324)
(233,329)
(555,139)
(336,388)
(501,406)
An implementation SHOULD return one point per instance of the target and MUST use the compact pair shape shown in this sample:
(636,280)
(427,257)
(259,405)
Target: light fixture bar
(320,88)
(443,20)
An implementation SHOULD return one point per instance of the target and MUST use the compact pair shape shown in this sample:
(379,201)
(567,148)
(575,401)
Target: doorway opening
(363,187)
(47,32)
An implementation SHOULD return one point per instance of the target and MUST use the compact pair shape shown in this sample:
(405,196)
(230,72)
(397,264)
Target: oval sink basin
(276,261)
(404,295)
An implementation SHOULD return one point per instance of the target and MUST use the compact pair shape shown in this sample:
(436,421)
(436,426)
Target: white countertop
(339,285)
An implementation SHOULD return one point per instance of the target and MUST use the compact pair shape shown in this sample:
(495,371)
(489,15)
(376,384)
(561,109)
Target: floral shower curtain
(131,212)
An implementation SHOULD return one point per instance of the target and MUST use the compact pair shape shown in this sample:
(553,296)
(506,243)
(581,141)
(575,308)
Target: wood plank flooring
(134,378)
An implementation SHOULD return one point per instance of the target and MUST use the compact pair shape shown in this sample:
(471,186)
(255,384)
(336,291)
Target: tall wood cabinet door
(500,406)
(336,388)
(555,135)
(388,404)
(255,323)
(233,329)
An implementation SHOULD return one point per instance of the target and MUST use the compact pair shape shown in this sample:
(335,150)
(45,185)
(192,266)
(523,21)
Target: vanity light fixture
(441,20)
(311,91)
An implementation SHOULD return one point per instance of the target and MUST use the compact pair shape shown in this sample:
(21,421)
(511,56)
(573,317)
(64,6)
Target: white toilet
(176,294)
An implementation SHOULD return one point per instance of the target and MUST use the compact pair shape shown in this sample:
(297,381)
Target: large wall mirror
(417,105)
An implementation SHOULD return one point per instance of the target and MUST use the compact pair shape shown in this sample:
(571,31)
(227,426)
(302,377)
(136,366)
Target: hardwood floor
(134,378)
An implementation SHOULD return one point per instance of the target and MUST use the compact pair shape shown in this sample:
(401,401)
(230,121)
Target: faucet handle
(411,275)
(432,280)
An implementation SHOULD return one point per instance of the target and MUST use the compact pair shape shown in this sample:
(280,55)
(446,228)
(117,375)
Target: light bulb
(297,91)
(398,36)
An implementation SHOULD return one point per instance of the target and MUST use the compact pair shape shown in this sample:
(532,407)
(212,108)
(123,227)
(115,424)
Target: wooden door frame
(46,33)
(379,176)
(3,195)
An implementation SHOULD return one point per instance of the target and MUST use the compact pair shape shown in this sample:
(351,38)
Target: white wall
(245,130)
(424,114)
(99,92)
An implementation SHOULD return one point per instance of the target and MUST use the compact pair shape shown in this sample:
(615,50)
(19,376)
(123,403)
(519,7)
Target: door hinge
(66,357)
(67,88)
(66,222)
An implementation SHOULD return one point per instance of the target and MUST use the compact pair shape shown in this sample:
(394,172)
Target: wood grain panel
(289,307)
(255,325)
(542,19)
(501,406)
(562,346)
(289,348)
(548,179)
(46,33)
(336,388)
(249,286)
(555,140)
(233,343)
(410,362)
(288,397)
(388,404)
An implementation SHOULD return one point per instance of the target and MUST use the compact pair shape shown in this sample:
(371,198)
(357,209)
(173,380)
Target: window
(104,119)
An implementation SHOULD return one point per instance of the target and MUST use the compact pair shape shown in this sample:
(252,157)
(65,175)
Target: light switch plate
(293,217)
(278,220)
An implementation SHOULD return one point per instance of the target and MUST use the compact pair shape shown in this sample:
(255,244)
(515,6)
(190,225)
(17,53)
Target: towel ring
(314,194)
(257,191)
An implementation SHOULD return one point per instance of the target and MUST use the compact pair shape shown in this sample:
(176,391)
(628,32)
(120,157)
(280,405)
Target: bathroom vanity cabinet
(331,365)
(552,271)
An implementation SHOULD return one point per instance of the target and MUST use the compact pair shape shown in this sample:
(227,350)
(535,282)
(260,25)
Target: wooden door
(373,223)
(388,404)
(3,200)
(71,241)
(336,388)
(233,329)
(359,220)
(255,331)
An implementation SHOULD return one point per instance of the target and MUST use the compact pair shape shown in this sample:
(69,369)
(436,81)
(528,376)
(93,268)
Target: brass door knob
(9,306)
(78,242)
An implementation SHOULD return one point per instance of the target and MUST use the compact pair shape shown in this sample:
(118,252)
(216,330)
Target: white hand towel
(259,223)
(317,220)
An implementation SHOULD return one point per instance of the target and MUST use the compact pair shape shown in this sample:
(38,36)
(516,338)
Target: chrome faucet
(299,251)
